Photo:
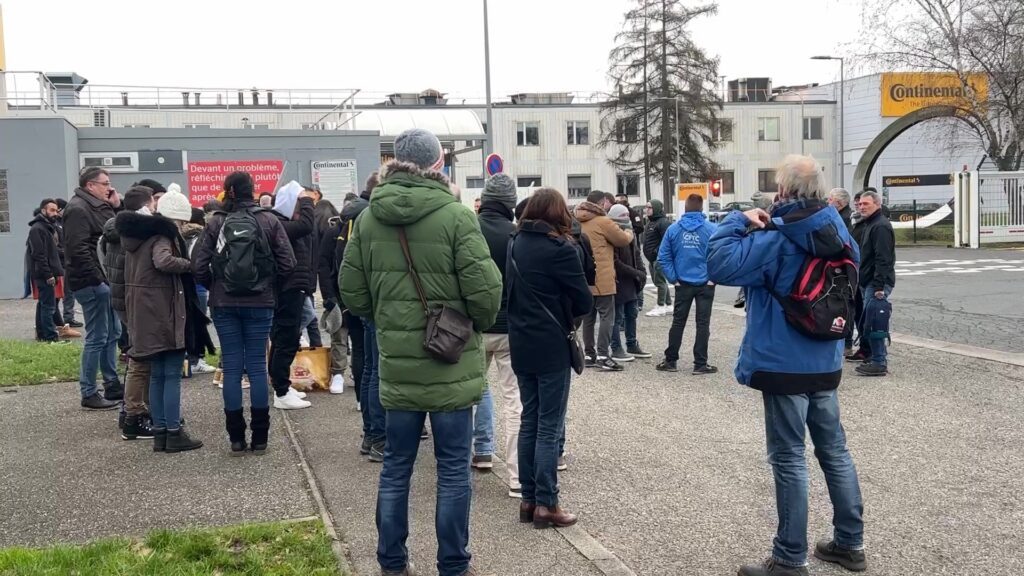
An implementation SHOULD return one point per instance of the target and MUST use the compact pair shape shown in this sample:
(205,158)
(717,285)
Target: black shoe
(858,356)
(740,301)
(364,448)
(376,452)
(407,571)
(75,324)
(872,369)
(638,352)
(179,441)
(482,462)
(705,369)
(98,402)
(589,362)
(113,391)
(136,427)
(234,422)
(159,440)
(829,551)
(667,366)
(609,365)
(771,568)
(260,425)
(622,356)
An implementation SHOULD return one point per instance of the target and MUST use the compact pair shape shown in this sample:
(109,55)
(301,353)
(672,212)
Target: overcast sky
(399,45)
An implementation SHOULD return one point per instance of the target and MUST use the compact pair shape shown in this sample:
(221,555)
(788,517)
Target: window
(474,182)
(628,184)
(110,161)
(578,133)
(723,131)
(728,179)
(628,131)
(812,128)
(767,129)
(197,125)
(5,205)
(311,126)
(579,186)
(528,182)
(527,134)
(249,126)
(766,181)
(136,125)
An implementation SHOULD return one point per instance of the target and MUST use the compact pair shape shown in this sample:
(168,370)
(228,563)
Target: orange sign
(905,92)
(685,189)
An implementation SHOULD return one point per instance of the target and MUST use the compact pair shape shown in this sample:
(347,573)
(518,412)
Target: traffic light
(716,188)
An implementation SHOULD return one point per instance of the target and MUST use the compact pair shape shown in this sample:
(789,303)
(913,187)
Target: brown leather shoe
(66,331)
(526,512)
(544,517)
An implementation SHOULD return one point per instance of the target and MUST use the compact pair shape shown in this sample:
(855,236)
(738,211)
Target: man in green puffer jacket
(454,264)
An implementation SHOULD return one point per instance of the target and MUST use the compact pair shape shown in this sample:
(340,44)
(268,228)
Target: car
(723,211)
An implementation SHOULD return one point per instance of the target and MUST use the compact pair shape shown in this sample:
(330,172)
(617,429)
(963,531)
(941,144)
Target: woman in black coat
(545,280)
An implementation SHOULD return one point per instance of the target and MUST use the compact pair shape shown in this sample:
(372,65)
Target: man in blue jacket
(683,260)
(797,376)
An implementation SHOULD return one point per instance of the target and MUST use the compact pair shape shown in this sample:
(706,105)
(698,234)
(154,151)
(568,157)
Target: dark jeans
(876,346)
(69,305)
(102,328)
(284,338)
(686,294)
(786,417)
(311,323)
(358,350)
(373,412)
(243,345)
(604,306)
(453,436)
(165,389)
(204,299)
(45,307)
(625,319)
(545,398)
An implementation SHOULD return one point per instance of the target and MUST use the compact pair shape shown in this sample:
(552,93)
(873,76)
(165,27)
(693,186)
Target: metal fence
(927,220)
(1001,198)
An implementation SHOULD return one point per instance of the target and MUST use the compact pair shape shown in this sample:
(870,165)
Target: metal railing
(27,89)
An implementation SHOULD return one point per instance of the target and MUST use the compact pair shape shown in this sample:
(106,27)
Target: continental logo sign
(905,92)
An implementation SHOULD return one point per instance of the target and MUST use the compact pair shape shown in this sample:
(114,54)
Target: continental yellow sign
(905,92)
(684,190)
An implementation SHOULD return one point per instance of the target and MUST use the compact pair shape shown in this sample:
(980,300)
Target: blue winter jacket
(683,255)
(774,357)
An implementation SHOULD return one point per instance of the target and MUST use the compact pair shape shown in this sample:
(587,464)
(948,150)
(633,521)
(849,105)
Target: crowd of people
(422,295)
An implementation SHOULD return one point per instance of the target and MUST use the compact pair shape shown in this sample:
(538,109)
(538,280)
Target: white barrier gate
(989,208)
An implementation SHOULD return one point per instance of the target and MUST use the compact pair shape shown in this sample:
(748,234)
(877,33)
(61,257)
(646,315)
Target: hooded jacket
(605,236)
(162,310)
(877,243)
(84,218)
(452,260)
(300,236)
(43,256)
(586,252)
(496,225)
(332,245)
(683,255)
(630,274)
(774,357)
(654,232)
(113,263)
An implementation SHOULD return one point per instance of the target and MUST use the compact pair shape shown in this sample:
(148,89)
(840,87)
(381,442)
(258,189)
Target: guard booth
(989,208)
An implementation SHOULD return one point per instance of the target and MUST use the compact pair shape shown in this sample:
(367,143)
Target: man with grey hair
(877,243)
(415,229)
(797,375)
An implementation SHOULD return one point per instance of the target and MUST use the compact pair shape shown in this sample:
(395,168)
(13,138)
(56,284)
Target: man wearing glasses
(92,204)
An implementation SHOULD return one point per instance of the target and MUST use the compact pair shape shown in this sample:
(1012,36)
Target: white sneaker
(201,367)
(654,312)
(299,393)
(338,384)
(359,406)
(290,401)
(304,340)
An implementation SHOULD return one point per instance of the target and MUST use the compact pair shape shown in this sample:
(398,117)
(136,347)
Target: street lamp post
(842,116)
(489,132)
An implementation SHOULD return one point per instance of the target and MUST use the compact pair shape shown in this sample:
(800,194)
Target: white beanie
(286,199)
(174,204)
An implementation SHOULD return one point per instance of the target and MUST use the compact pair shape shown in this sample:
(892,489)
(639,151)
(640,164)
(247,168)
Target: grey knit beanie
(500,188)
(418,146)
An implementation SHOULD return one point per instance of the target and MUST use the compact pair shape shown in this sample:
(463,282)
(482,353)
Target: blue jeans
(453,434)
(369,394)
(165,389)
(625,318)
(545,398)
(786,417)
(102,328)
(69,305)
(879,351)
(243,334)
(45,307)
(483,425)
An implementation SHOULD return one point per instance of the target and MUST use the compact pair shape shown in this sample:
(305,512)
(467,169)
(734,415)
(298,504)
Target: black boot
(235,424)
(159,439)
(179,441)
(136,427)
(260,425)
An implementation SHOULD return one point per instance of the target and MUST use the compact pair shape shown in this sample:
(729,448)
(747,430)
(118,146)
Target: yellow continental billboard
(904,92)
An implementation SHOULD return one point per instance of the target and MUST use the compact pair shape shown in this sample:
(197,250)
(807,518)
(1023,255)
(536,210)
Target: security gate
(989,208)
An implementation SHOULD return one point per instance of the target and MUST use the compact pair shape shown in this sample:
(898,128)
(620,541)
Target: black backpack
(242,260)
(821,302)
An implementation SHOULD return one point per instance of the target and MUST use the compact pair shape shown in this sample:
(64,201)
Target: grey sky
(399,45)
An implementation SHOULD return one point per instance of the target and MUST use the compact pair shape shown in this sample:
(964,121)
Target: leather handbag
(448,330)
(576,357)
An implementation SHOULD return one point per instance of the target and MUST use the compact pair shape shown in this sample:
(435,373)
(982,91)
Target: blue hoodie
(774,357)
(683,255)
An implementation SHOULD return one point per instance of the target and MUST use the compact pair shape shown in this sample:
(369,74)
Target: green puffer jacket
(455,267)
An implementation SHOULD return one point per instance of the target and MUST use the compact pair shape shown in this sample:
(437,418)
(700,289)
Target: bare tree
(657,70)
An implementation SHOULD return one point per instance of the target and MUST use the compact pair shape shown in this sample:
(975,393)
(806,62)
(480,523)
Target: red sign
(206,178)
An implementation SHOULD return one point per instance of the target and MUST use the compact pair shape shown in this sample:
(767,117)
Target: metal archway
(891,132)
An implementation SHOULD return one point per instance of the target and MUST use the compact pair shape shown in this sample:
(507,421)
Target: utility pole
(489,132)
